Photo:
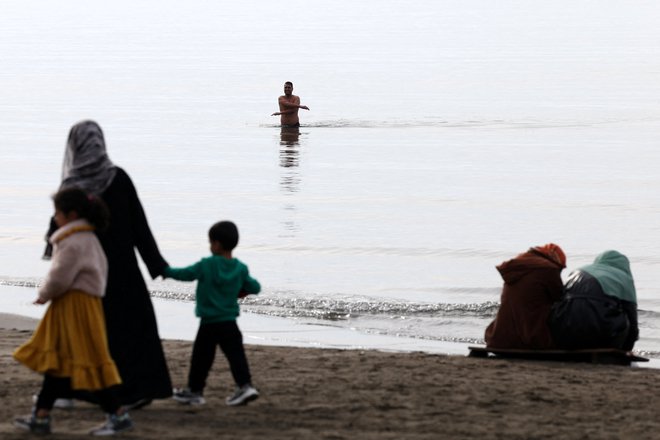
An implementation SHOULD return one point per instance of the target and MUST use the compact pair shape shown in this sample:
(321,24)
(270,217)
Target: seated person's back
(532,283)
(599,307)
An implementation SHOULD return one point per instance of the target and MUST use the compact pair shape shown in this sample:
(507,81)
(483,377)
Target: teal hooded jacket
(219,282)
(612,270)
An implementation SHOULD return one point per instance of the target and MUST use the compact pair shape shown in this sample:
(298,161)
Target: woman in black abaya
(130,320)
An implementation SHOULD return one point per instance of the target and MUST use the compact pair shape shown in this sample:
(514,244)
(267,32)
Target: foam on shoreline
(176,321)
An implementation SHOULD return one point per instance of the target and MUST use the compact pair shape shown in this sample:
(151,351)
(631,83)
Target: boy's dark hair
(87,206)
(226,233)
(288,83)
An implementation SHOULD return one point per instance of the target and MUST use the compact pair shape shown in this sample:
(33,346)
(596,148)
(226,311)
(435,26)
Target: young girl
(70,345)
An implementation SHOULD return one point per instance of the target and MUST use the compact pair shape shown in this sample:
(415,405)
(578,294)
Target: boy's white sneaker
(187,397)
(243,395)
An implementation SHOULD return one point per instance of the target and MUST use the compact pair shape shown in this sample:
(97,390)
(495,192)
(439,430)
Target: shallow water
(442,139)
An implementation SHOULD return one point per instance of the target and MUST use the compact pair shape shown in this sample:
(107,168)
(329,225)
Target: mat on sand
(596,355)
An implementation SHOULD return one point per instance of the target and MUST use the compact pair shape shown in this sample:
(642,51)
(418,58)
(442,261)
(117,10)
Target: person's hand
(242,294)
(276,114)
(40,301)
(162,273)
(304,107)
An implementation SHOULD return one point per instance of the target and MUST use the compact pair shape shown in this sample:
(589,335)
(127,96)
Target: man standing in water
(289,105)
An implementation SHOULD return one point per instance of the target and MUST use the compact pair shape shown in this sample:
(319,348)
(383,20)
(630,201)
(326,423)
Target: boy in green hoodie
(221,279)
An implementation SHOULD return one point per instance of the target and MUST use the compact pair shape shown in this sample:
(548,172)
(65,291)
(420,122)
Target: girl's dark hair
(87,206)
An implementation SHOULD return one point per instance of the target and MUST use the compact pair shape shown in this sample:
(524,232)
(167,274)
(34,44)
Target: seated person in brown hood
(532,283)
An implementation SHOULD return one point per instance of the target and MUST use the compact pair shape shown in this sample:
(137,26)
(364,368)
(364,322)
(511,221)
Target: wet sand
(312,393)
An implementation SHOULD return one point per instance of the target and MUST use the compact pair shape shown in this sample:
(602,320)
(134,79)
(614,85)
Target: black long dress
(130,319)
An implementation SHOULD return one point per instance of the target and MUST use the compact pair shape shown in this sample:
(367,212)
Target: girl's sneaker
(114,425)
(36,425)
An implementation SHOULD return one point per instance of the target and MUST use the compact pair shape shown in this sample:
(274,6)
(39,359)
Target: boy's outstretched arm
(250,286)
(189,273)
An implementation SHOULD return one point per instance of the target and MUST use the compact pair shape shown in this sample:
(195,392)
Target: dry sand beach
(353,394)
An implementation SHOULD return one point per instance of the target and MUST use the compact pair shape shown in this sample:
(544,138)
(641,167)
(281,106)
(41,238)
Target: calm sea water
(443,138)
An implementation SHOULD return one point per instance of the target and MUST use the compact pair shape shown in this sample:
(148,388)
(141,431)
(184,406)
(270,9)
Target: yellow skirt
(70,341)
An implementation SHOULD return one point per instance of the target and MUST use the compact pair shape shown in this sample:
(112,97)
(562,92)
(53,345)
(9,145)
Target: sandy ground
(352,394)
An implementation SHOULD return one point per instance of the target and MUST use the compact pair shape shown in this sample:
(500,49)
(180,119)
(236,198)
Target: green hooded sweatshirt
(612,270)
(219,281)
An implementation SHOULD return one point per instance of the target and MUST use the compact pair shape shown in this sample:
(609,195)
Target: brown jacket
(532,283)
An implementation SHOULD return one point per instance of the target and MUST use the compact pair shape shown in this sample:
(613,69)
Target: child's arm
(189,273)
(250,286)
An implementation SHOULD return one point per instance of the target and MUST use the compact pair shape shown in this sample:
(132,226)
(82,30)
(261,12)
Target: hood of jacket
(72,227)
(612,270)
(223,269)
(520,266)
